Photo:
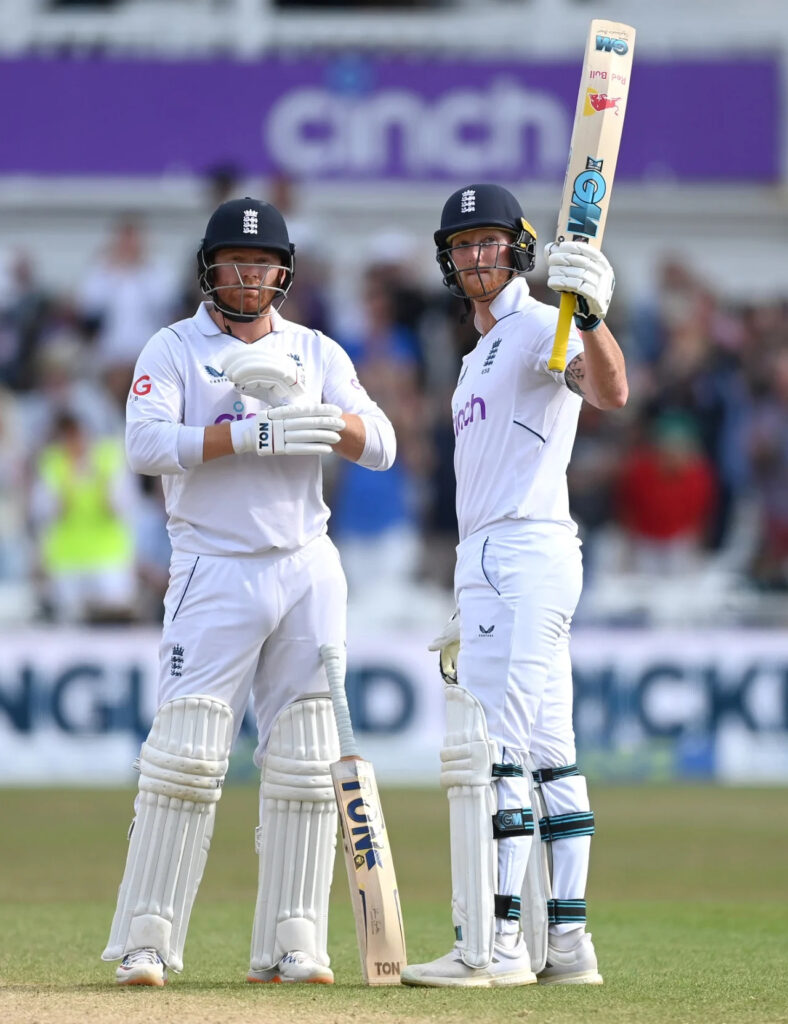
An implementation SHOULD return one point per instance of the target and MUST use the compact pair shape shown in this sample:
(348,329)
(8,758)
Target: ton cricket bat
(596,136)
(370,870)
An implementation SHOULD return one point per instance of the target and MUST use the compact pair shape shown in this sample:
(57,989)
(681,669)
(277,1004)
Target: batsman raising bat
(234,407)
(520,821)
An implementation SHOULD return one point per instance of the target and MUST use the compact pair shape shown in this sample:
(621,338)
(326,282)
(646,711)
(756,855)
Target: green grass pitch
(688,903)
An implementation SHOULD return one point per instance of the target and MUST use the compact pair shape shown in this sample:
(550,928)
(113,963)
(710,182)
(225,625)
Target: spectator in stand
(25,313)
(14,549)
(126,296)
(665,497)
(767,445)
(592,476)
(377,523)
(82,506)
(62,381)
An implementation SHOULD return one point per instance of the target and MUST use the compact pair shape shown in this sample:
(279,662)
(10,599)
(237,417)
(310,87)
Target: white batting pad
(182,767)
(297,834)
(467,758)
(537,888)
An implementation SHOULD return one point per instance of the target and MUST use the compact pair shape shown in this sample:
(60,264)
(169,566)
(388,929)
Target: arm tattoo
(575,375)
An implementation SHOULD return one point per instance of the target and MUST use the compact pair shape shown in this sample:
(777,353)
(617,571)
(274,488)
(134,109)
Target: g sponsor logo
(142,385)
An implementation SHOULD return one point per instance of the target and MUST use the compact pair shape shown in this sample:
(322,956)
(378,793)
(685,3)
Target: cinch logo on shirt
(239,413)
(465,416)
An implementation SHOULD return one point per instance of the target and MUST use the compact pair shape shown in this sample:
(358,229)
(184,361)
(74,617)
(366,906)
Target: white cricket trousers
(252,624)
(517,585)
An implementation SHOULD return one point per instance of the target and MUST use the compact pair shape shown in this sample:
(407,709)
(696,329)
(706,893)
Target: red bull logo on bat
(596,102)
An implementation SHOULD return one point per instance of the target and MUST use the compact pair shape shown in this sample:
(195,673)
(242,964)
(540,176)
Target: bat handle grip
(333,659)
(565,313)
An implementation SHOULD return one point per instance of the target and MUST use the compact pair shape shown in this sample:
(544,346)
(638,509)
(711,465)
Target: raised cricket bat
(370,869)
(593,152)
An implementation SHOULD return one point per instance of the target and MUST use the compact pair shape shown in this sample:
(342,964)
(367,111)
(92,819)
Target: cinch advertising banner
(75,706)
(374,118)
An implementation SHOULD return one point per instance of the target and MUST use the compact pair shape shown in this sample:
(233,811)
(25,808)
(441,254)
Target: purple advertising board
(366,118)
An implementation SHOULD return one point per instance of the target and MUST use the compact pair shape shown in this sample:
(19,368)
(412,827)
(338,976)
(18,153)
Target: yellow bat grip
(566,311)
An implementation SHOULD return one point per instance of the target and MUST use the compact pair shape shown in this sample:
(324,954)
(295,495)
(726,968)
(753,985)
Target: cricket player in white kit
(520,820)
(234,407)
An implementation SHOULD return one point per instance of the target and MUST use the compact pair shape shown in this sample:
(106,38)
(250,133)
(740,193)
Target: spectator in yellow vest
(82,503)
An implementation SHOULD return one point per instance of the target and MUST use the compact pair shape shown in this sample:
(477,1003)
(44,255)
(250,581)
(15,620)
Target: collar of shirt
(511,298)
(208,326)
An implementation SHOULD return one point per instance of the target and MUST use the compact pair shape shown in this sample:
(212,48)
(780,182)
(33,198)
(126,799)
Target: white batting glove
(269,376)
(580,268)
(289,430)
(448,643)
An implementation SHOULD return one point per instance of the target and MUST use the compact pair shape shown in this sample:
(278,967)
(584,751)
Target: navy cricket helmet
(483,206)
(247,223)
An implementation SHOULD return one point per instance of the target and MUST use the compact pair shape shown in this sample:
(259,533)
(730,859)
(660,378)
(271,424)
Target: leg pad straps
(566,911)
(566,826)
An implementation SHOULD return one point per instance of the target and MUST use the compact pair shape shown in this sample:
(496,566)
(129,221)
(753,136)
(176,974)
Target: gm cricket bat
(370,870)
(593,152)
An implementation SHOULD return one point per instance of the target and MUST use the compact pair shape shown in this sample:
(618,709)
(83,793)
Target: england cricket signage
(76,705)
(360,118)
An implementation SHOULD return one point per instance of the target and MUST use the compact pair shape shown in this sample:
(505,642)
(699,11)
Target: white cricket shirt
(238,504)
(514,420)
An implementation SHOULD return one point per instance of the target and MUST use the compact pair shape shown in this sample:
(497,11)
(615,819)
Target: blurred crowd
(687,487)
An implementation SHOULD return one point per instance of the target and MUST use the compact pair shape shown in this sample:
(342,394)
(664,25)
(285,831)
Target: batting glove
(578,267)
(269,376)
(289,430)
(448,643)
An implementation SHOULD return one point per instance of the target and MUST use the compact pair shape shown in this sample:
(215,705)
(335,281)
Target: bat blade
(370,870)
(593,153)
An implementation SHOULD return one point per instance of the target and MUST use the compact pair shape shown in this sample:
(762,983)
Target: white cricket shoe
(142,967)
(294,966)
(574,966)
(508,967)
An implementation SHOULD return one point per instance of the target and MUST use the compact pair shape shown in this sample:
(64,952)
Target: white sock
(507,940)
(567,938)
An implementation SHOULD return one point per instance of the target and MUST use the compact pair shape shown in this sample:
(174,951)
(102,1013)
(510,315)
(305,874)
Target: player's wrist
(242,435)
(585,318)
